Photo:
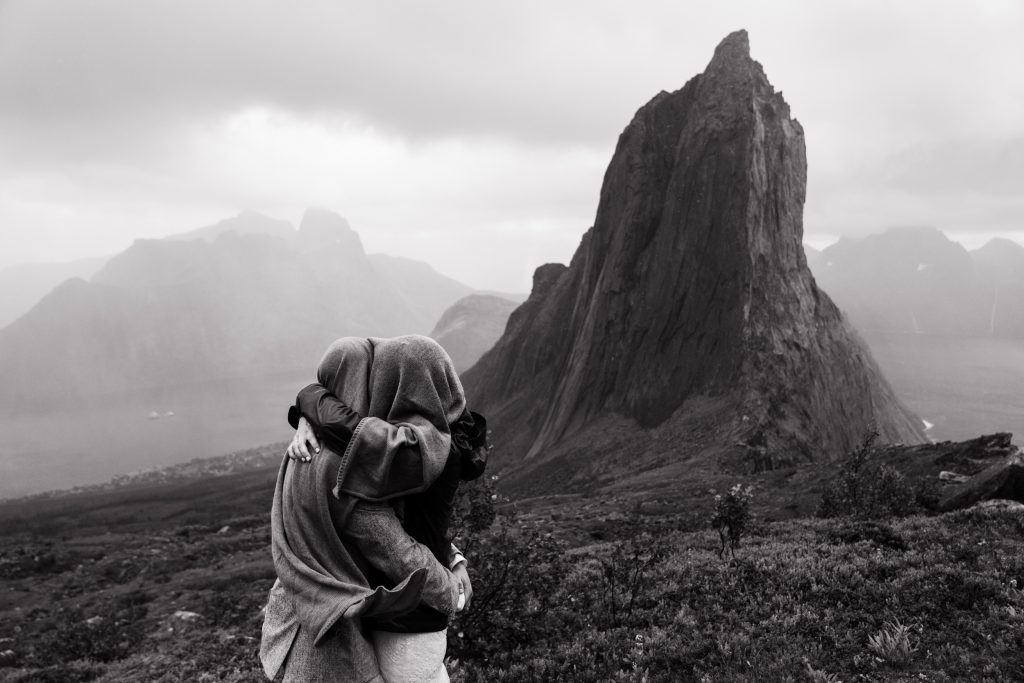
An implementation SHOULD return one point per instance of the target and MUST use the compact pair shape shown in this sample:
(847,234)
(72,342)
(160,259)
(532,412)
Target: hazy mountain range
(209,333)
(23,285)
(246,297)
(916,280)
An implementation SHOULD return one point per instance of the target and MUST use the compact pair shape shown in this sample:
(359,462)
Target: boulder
(952,477)
(1003,480)
(1000,504)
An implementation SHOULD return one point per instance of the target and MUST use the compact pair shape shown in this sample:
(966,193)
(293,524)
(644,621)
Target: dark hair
(469,441)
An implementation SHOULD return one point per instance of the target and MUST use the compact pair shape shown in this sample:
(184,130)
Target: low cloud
(122,119)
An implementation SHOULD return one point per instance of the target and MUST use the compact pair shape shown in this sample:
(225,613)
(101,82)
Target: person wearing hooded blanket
(409,647)
(332,521)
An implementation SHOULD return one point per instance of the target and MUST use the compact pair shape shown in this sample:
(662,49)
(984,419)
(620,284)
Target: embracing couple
(367,578)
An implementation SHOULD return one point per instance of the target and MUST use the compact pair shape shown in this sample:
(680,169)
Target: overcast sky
(474,135)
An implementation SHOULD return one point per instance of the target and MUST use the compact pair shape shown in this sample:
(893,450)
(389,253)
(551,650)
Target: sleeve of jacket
(331,418)
(378,534)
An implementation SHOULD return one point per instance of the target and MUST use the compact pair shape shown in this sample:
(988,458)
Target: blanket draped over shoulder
(408,391)
(411,397)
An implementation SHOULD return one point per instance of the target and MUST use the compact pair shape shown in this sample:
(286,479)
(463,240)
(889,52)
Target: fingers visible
(313,443)
(297,451)
(310,448)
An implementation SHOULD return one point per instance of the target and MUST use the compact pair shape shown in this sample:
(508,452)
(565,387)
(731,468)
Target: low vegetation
(647,598)
(914,598)
(866,488)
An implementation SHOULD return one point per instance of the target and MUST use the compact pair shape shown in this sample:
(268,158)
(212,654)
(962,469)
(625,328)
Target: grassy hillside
(166,583)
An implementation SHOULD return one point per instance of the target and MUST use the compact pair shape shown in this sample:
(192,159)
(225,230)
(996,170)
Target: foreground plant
(866,489)
(892,643)
(731,516)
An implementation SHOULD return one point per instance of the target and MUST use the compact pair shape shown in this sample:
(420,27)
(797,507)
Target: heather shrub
(880,535)
(867,489)
(517,575)
(102,638)
(621,579)
(475,511)
(531,591)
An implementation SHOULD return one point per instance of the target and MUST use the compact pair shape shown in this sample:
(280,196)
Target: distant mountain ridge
(687,327)
(245,223)
(917,280)
(22,286)
(230,301)
(471,326)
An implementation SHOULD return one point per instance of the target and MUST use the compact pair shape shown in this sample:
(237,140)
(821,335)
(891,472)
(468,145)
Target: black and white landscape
(742,428)
(194,345)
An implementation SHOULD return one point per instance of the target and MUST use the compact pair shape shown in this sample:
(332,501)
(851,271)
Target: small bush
(475,511)
(731,516)
(867,489)
(622,581)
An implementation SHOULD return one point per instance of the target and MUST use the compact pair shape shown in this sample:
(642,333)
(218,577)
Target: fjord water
(965,386)
(99,439)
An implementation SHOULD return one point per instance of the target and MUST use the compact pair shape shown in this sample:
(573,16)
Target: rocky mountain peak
(692,285)
(321,228)
(732,59)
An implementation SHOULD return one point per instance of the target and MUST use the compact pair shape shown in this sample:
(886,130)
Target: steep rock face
(691,285)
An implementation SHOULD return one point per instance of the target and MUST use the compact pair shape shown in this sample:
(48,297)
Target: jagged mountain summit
(687,322)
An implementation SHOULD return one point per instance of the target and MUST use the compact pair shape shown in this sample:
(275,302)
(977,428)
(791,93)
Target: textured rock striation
(690,294)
